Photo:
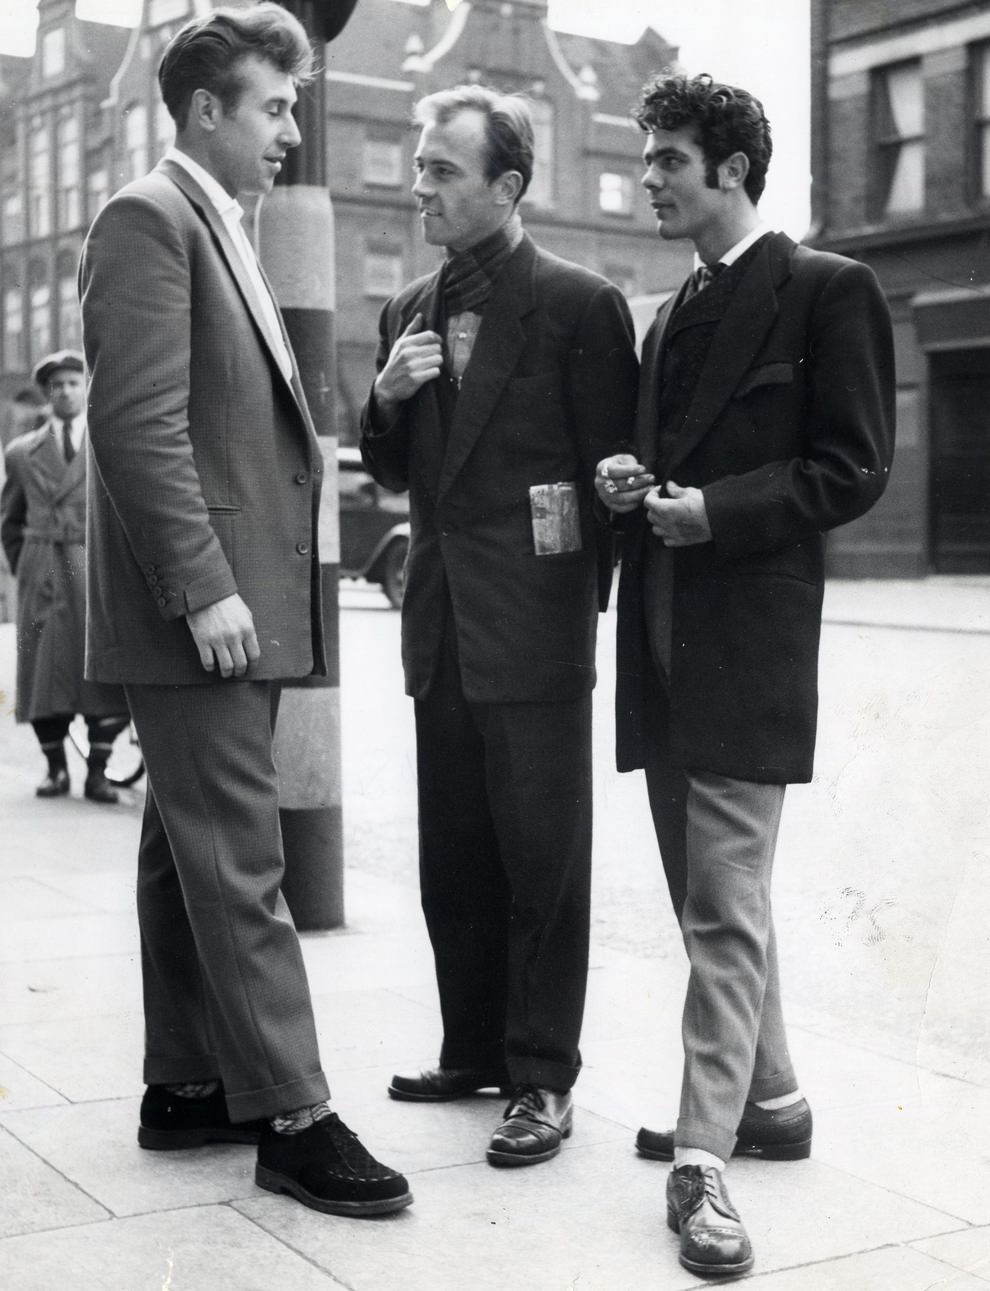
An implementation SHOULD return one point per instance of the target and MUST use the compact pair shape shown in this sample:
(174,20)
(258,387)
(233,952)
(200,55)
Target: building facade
(83,116)
(901,167)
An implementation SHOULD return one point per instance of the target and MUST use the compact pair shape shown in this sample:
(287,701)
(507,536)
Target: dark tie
(703,275)
(68,448)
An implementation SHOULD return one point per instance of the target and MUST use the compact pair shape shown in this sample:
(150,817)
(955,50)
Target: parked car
(374,528)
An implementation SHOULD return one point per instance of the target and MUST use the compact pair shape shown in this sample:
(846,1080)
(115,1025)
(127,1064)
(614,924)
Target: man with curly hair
(765,418)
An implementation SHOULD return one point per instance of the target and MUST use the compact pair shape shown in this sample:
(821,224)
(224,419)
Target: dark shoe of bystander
(444,1084)
(536,1122)
(780,1135)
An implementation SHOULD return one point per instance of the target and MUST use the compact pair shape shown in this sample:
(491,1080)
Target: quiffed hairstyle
(725,120)
(508,126)
(207,52)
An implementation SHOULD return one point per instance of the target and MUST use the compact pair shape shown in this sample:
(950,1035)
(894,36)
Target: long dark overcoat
(790,433)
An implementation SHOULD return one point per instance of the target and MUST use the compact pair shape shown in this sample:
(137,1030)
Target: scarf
(468,276)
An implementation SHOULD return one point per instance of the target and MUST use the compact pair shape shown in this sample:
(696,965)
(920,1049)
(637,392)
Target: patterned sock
(194,1089)
(300,1119)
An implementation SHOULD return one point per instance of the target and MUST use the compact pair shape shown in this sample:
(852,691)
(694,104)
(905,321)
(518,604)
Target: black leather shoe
(169,1122)
(443,1084)
(327,1167)
(713,1240)
(54,785)
(536,1122)
(782,1135)
(99,789)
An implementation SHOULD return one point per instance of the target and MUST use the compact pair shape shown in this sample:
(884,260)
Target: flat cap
(70,360)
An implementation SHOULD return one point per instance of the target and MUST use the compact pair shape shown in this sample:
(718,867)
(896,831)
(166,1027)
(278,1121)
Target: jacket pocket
(769,374)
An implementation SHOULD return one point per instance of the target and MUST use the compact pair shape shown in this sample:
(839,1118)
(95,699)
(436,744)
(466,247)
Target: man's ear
(204,110)
(733,171)
(507,188)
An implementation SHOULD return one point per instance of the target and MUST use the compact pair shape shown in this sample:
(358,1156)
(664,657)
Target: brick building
(83,116)
(901,180)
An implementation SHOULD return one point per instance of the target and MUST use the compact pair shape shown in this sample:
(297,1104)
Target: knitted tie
(68,448)
(703,275)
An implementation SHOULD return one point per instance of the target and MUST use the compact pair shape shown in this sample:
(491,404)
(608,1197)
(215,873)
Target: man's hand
(416,357)
(680,519)
(225,636)
(622,483)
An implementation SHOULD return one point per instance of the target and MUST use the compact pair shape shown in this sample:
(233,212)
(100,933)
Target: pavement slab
(196,1249)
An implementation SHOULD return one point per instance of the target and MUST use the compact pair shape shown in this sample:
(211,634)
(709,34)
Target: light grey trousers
(225,989)
(717,837)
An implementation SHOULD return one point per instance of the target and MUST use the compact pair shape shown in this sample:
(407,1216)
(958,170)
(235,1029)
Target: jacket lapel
(49,460)
(428,415)
(208,213)
(650,377)
(742,331)
(501,340)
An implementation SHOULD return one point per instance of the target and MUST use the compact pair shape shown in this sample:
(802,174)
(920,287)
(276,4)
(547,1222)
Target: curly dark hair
(207,52)
(725,119)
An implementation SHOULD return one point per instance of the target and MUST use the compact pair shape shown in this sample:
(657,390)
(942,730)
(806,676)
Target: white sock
(697,1156)
(785,1100)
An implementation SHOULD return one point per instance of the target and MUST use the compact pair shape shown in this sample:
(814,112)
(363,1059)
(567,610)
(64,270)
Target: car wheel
(393,572)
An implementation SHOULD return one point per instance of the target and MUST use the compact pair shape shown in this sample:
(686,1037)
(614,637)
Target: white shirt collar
(228,208)
(742,246)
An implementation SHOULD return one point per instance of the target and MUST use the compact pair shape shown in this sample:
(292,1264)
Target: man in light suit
(43,531)
(204,594)
(766,417)
(503,377)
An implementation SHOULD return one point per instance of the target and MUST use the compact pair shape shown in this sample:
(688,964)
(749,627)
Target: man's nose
(291,138)
(421,184)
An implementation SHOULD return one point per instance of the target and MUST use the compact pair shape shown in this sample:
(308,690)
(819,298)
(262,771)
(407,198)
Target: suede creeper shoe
(713,1240)
(536,1122)
(169,1122)
(443,1084)
(327,1168)
(782,1135)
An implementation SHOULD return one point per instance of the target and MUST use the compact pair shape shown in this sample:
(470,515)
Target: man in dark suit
(502,378)
(204,594)
(766,415)
(43,531)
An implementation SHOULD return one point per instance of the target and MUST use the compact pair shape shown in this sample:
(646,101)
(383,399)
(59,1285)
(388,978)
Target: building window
(13,329)
(382,273)
(67,146)
(13,218)
(99,191)
(981,97)
(541,189)
(40,179)
(53,53)
(381,163)
(615,193)
(135,141)
(69,321)
(164,130)
(40,304)
(899,117)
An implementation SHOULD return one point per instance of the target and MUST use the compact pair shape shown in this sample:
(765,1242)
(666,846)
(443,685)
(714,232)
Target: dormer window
(53,53)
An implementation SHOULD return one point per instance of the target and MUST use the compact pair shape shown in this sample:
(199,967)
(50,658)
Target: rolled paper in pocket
(556,519)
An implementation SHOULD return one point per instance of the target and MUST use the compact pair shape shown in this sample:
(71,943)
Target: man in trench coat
(43,529)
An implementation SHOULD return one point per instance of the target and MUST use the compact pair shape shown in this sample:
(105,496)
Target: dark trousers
(505,871)
(225,989)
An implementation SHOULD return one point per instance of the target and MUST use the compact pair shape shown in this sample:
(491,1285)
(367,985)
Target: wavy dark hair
(509,143)
(725,120)
(207,52)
